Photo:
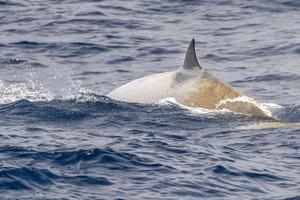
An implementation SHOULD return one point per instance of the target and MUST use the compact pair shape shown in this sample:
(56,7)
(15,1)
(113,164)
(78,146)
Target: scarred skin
(212,92)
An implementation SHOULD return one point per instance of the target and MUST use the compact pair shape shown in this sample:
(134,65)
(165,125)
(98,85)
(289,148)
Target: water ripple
(62,139)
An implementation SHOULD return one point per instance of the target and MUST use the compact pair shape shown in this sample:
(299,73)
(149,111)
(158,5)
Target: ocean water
(62,138)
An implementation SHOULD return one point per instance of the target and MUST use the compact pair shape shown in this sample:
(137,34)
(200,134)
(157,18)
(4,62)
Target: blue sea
(62,138)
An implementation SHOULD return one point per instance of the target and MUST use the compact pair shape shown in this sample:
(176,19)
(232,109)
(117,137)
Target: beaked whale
(190,85)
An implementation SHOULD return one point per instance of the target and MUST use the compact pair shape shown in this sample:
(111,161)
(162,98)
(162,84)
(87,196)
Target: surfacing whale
(190,85)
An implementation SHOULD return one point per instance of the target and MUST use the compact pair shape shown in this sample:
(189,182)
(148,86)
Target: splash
(34,91)
(31,91)
(76,92)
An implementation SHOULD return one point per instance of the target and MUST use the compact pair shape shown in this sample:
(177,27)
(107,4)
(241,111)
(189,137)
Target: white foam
(265,107)
(269,125)
(270,105)
(32,91)
(194,110)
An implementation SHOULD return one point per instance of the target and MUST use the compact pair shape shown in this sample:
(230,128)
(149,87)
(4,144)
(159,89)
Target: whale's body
(191,86)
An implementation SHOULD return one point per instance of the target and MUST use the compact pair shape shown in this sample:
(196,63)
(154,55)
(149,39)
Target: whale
(190,85)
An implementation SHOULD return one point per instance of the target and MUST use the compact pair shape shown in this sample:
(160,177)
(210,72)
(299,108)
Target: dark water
(61,138)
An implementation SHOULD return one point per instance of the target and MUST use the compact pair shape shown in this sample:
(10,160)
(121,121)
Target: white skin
(148,89)
(151,89)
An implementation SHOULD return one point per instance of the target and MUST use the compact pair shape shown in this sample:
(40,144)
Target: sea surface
(62,138)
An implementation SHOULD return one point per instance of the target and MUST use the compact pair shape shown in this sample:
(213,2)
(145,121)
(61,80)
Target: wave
(219,169)
(62,49)
(28,178)
(73,104)
(82,160)
(269,78)
(104,158)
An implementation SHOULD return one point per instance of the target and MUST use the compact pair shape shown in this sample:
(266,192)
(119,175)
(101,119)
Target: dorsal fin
(190,60)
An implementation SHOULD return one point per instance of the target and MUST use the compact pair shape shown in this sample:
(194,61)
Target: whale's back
(148,89)
(191,86)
